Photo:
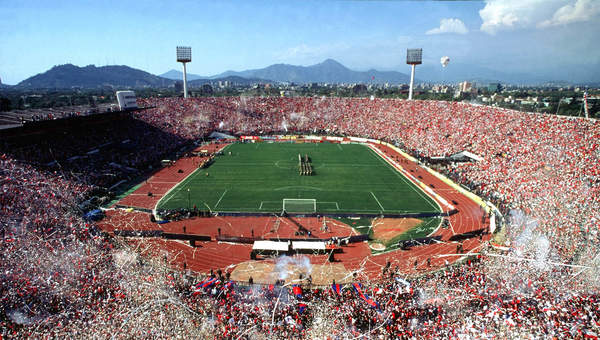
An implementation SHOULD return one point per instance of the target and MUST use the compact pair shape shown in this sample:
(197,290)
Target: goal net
(299,205)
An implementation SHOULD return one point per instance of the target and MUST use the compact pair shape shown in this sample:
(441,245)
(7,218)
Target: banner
(336,288)
(368,300)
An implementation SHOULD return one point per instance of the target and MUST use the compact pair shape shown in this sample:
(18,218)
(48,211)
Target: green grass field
(349,178)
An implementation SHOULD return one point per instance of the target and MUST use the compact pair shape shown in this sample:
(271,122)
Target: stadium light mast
(414,57)
(184,55)
(585,104)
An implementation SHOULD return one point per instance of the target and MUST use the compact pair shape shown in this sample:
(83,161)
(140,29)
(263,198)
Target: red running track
(165,179)
(355,257)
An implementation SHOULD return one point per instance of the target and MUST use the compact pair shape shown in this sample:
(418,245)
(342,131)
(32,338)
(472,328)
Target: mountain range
(69,76)
(231,79)
(196,80)
(178,75)
(329,71)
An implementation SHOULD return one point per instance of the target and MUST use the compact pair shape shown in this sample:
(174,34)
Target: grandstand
(18,118)
(538,276)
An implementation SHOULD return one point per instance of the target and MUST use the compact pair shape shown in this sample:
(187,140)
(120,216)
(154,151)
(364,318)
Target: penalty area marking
(298,187)
(375,197)
(337,207)
(220,198)
(261,203)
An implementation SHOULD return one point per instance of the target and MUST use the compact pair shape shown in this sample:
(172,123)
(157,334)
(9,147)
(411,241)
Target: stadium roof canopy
(465,156)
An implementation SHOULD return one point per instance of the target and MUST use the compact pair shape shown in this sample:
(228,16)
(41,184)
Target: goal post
(299,205)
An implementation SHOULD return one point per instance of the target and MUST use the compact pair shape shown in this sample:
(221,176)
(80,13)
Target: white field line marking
(179,185)
(220,198)
(337,207)
(413,186)
(375,197)
(339,147)
(268,202)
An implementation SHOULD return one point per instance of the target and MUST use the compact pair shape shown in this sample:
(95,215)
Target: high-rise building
(465,86)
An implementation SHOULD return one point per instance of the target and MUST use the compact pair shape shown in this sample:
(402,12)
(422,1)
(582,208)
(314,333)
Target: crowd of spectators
(100,154)
(60,277)
(465,301)
(25,116)
(544,165)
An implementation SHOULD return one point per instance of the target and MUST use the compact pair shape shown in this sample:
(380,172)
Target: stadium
(267,203)
(261,216)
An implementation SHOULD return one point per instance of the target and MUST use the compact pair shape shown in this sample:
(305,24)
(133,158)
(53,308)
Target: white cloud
(581,10)
(498,15)
(450,25)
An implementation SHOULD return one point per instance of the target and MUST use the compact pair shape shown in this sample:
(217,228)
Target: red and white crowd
(60,278)
(547,166)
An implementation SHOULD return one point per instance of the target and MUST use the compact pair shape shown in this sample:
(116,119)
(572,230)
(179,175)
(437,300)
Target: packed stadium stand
(61,277)
(20,117)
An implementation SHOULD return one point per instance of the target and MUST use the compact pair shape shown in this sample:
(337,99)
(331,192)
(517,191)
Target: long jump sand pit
(385,229)
(267,272)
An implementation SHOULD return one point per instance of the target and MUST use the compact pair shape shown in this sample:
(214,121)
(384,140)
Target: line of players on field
(304,165)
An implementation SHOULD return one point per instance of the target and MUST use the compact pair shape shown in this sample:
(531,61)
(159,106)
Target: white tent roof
(313,245)
(270,245)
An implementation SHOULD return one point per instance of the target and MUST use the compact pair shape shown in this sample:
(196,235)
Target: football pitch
(257,177)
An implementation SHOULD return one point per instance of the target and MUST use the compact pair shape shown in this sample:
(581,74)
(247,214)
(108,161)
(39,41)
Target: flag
(199,284)
(590,335)
(358,288)
(197,288)
(371,302)
(297,291)
(336,288)
(228,285)
(210,282)
(207,282)
(301,308)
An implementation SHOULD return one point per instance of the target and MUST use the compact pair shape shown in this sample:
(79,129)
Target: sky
(556,38)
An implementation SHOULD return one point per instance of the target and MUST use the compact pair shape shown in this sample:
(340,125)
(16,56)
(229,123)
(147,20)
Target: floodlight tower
(414,57)
(184,55)
(585,104)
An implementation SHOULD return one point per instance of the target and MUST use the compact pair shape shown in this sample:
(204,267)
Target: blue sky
(554,37)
